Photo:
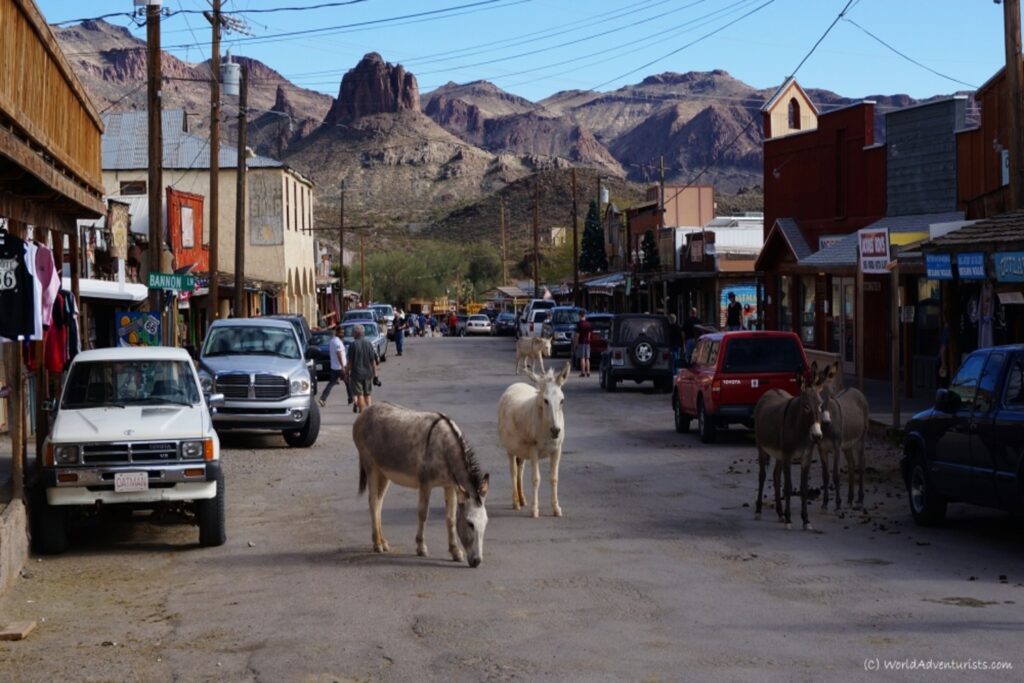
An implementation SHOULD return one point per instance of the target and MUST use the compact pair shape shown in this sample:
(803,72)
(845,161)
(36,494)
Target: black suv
(638,349)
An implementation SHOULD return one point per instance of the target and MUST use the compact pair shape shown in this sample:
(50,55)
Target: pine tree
(650,258)
(593,258)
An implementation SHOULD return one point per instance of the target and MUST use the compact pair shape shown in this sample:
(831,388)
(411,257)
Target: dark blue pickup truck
(970,447)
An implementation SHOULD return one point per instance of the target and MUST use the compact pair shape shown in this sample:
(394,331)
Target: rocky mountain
(374,87)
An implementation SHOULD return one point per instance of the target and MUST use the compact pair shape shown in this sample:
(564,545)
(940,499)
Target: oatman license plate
(125,482)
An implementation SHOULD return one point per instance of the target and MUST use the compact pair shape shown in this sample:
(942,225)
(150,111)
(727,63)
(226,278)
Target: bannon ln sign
(185,283)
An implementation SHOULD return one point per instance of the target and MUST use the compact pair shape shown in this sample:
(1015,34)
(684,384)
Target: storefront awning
(110,291)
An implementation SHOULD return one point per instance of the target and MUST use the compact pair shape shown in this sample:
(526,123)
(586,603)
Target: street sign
(172,281)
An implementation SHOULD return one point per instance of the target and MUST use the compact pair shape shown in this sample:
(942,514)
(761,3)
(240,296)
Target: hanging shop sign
(137,328)
(1009,266)
(118,222)
(938,266)
(971,266)
(874,250)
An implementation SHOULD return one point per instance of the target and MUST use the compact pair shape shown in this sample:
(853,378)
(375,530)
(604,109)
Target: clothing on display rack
(18,299)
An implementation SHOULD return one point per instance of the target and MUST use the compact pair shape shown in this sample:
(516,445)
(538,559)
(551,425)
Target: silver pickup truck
(259,366)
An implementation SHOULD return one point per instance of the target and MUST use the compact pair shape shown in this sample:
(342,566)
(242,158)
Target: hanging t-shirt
(17,294)
(37,292)
(49,281)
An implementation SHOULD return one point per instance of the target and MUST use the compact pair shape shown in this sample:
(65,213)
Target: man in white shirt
(336,350)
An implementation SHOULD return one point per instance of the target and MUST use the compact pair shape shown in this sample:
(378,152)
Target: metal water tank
(230,75)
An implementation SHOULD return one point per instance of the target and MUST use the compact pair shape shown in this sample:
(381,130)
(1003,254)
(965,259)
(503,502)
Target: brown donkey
(845,421)
(785,427)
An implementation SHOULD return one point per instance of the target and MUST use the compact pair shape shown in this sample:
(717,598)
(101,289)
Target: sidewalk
(879,395)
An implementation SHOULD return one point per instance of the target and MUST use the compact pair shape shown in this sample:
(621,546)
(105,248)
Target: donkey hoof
(421,551)
(378,548)
(535,513)
(516,506)
(557,512)
(788,526)
(457,556)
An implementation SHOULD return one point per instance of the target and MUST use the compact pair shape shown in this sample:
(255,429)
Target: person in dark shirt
(734,314)
(675,340)
(583,330)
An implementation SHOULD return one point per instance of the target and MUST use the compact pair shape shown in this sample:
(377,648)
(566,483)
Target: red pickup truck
(729,372)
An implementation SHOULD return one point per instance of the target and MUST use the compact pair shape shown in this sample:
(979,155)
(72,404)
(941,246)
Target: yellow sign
(473,308)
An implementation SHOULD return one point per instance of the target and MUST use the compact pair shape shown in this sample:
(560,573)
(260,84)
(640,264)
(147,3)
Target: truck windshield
(759,354)
(252,340)
(97,384)
(566,317)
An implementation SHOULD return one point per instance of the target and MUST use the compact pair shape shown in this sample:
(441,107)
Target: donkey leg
(450,503)
(851,473)
(836,452)
(777,482)
(824,478)
(556,509)
(514,471)
(787,474)
(375,497)
(805,471)
(535,508)
(382,488)
(762,467)
(423,509)
(521,490)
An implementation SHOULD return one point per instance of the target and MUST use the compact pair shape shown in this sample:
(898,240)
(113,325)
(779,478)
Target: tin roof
(991,234)
(126,139)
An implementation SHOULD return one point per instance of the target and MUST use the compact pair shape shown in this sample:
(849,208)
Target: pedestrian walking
(362,370)
(399,330)
(734,314)
(339,361)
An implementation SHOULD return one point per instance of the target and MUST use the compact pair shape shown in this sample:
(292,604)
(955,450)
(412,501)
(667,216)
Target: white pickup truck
(132,428)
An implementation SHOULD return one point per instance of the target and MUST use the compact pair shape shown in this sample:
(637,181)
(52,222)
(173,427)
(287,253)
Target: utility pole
(241,309)
(504,248)
(214,17)
(1015,113)
(575,244)
(362,270)
(536,240)
(343,301)
(156,157)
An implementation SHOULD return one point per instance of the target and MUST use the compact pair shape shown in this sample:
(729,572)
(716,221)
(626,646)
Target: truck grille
(127,451)
(262,387)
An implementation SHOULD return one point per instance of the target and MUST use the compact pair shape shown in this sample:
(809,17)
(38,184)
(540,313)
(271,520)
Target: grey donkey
(845,422)
(788,427)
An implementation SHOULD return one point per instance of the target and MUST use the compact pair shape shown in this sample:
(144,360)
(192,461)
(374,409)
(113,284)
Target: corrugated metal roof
(791,231)
(126,137)
(994,234)
(842,253)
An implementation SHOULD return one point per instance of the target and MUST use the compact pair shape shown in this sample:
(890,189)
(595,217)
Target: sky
(535,48)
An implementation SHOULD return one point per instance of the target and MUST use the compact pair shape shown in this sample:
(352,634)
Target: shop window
(132,187)
(807,309)
(786,302)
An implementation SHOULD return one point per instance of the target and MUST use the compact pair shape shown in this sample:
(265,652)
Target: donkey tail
(362,479)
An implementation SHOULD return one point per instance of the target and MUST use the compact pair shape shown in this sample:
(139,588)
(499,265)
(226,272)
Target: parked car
(729,373)
(505,324)
(560,328)
(132,429)
(967,448)
(478,323)
(534,325)
(267,382)
(526,317)
(360,314)
(638,350)
(373,333)
(318,351)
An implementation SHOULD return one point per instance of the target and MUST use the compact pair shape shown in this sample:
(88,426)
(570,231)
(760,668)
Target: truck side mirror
(214,401)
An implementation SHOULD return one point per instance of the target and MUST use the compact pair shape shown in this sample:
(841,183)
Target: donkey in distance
(845,422)
(423,451)
(788,427)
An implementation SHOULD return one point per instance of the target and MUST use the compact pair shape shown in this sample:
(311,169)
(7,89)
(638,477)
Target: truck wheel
(49,526)
(705,423)
(682,419)
(210,513)
(306,436)
(610,384)
(927,507)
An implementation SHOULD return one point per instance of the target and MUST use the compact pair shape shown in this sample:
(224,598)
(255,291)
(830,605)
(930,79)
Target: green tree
(593,258)
(650,259)
(482,266)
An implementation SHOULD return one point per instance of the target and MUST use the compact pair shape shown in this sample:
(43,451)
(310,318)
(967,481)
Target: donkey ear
(485,486)
(533,376)
(564,374)
(460,491)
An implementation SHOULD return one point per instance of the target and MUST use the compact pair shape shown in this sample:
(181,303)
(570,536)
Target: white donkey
(531,425)
(530,351)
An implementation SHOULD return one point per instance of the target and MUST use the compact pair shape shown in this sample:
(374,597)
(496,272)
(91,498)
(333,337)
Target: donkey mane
(469,462)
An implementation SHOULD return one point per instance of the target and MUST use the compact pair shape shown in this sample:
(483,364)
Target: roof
(126,140)
(790,231)
(609,280)
(252,322)
(844,252)
(991,234)
(134,353)
(138,210)
(109,290)
(782,89)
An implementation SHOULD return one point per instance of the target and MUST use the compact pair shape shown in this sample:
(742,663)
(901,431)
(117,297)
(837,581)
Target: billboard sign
(874,250)
(746,295)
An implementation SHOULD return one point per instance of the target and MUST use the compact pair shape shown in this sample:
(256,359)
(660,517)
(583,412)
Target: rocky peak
(374,87)
(282,104)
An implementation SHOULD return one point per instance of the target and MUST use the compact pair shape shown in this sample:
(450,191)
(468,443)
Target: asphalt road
(657,572)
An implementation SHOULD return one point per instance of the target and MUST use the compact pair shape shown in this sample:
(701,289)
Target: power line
(909,58)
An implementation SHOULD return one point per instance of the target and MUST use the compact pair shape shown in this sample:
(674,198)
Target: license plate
(126,482)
